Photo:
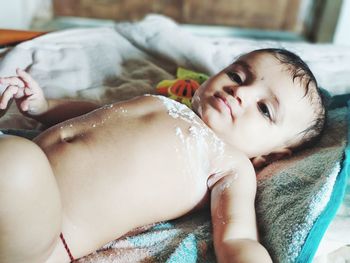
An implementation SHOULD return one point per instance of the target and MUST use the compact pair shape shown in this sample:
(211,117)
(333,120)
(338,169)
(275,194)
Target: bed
(129,59)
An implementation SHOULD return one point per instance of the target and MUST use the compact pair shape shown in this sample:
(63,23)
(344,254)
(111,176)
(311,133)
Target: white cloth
(68,62)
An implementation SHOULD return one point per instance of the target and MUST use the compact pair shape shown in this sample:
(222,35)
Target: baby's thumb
(28,92)
(24,105)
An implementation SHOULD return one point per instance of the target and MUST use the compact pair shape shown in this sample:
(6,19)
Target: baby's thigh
(24,163)
(30,206)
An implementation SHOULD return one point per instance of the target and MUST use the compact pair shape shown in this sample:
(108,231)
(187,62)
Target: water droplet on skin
(93,125)
(70,125)
(108,106)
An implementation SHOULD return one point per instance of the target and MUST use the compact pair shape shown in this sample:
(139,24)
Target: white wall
(17,14)
(342,33)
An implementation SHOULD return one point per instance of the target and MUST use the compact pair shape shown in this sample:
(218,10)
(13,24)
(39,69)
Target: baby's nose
(239,101)
(230,90)
(233,92)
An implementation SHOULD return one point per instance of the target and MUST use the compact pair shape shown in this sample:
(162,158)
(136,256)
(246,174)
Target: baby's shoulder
(231,160)
(235,157)
(242,162)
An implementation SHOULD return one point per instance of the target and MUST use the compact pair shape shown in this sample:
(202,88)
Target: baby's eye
(234,77)
(264,110)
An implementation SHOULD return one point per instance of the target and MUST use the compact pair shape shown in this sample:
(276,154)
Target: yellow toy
(183,87)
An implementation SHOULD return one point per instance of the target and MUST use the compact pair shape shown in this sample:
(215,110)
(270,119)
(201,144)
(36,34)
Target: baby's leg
(30,207)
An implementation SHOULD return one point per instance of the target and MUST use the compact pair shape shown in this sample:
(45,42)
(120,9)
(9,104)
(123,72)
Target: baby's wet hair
(301,72)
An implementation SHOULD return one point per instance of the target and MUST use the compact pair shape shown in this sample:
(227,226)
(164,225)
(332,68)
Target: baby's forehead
(265,63)
(254,59)
(266,66)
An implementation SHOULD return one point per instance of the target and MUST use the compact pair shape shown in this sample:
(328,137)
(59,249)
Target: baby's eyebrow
(244,65)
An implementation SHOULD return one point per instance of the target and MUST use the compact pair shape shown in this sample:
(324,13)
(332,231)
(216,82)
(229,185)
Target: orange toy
(183,88)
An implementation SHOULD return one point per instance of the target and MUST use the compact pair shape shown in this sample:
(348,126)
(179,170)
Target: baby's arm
(61,110)
(32,103)
(233,217)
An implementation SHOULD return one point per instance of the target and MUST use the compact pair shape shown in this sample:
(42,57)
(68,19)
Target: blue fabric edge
(320,226)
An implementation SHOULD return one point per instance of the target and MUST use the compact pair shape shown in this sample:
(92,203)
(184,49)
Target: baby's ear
(264,160)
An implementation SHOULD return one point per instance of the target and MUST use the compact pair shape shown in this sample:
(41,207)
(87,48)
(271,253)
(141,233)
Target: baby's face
(254,105)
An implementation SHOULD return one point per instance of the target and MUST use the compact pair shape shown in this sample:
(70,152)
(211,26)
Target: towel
(302,194)
(294,196)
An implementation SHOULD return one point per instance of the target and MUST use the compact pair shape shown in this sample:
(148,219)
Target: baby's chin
(215,120)
(215,125)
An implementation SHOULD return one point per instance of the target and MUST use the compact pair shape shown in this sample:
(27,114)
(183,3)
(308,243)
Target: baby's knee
(22,162)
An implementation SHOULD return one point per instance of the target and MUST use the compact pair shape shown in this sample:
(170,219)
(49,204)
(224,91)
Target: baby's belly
(112,184)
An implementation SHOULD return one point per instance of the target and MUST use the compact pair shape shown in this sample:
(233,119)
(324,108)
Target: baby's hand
(25,90)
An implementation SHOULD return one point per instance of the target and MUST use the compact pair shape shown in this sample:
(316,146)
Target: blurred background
(321,21)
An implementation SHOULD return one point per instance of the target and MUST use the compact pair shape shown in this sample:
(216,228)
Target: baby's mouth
(224,101)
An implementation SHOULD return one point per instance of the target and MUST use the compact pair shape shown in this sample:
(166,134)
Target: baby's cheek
(206,118)
(196,104)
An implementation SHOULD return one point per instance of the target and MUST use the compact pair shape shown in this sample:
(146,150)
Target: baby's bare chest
(150,148)
(178,145)
(171,135)
(162,156)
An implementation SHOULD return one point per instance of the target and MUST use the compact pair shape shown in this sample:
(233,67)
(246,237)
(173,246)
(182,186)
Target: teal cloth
(296,204)
(320,226)
(29,134)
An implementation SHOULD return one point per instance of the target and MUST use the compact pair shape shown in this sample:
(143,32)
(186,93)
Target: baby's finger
(8,94)
(31,83)
(19,94)
(24,105)
(14,81)
(28,92)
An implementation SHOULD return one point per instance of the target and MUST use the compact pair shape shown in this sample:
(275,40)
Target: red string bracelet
(67,248)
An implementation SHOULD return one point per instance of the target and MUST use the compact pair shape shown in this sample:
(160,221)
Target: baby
(103,171)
